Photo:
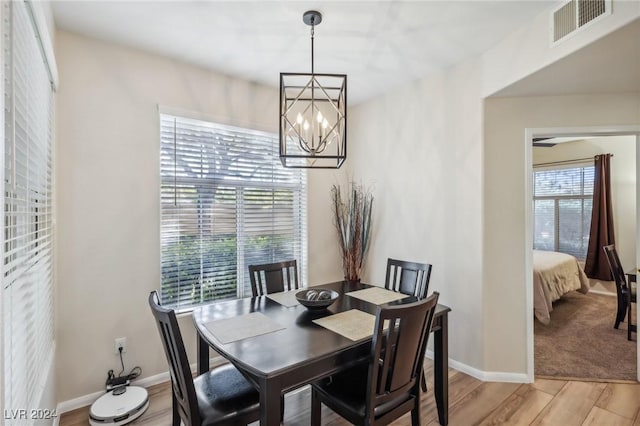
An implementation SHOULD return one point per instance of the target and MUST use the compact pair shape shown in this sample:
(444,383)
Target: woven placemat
(352,324)
(285,298)
(242,327)
(377,295)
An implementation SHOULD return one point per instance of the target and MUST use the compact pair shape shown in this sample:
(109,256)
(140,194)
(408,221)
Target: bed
(554,274)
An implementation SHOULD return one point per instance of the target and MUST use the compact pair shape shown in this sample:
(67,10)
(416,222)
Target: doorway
(631,134)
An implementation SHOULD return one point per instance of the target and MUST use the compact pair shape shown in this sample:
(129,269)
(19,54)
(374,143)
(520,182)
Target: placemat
(285,298)
(377,295)
(242,327)
(352,324)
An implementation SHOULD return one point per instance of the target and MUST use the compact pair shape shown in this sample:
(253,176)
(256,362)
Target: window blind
(563,200)
(226,203)
(27,284)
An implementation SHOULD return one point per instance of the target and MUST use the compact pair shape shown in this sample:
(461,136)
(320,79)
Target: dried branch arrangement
(352,219)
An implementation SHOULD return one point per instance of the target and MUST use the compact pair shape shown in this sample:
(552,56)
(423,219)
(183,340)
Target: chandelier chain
(312,38)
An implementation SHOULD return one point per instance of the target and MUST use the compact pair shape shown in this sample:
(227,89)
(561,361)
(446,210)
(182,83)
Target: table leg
(270,409)
(203,356)
(441,370)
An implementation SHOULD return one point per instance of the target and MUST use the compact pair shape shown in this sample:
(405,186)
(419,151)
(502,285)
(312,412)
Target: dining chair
(273,277)
(221,396)
(387,386)
(626,295)
(410,278)
(270,278)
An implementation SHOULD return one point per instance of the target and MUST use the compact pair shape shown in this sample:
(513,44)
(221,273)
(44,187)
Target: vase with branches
(352,219)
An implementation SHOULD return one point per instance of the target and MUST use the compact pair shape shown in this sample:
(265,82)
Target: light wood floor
(471,402)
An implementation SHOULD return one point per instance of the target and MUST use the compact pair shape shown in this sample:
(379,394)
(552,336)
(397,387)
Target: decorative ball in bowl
(316,298)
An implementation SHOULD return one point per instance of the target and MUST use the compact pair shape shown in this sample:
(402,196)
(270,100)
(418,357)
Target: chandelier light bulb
(299,118)
(319,117)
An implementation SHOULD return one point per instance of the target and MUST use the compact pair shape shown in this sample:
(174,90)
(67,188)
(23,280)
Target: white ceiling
(378,44)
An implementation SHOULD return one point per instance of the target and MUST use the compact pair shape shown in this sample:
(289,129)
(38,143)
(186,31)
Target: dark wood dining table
(303,351)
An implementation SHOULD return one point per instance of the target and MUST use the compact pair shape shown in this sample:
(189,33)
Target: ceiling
(378,44)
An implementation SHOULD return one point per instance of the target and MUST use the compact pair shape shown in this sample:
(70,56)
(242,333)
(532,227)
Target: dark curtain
(601,234)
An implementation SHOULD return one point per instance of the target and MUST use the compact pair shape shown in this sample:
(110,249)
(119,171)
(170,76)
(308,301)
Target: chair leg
(630,326)
(415,415)
(316,408)
(423,382)
(281,408)
(622,310)
(174,409)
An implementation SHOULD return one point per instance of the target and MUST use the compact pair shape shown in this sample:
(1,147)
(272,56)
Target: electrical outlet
(121,342)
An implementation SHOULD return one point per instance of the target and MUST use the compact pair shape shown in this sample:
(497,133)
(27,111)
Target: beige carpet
(580,342)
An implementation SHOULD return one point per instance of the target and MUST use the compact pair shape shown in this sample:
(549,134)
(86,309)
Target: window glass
(562,209)
(226,203)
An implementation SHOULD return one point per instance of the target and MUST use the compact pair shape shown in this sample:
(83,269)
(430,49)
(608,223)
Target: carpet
(580,341)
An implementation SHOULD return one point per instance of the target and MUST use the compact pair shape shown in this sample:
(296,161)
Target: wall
(623,181)
(420,151)
(529,49)
(448,183)
(504,229)
(452,190)
(108,199)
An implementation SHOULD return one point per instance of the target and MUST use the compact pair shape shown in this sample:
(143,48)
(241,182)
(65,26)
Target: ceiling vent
(574,15)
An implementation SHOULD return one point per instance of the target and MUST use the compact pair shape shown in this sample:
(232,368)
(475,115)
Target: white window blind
(226,203)
(27,285)
(563,200)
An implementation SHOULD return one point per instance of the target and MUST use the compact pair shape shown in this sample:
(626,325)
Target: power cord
(113,381)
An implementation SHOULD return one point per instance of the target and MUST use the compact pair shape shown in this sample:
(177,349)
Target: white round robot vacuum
(119,406)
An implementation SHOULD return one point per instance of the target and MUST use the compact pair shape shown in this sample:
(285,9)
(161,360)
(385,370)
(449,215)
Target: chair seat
(225,394)
(348,389)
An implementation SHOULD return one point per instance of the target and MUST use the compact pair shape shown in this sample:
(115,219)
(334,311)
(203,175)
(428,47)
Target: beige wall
(529,49)
(448,178)
(420,149)
(504,203)
(623,181)
(108,199)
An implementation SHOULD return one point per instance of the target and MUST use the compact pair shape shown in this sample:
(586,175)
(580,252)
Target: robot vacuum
(119,406)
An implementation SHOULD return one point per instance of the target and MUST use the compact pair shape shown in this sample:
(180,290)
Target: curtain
(601,234)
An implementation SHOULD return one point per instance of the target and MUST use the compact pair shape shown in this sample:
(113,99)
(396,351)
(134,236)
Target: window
(562,203)
(226,203)
(27,267)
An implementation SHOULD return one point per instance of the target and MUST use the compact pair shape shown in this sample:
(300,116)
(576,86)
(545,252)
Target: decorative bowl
(317,298)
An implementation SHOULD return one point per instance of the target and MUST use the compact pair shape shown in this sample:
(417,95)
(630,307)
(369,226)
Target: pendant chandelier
(313,115)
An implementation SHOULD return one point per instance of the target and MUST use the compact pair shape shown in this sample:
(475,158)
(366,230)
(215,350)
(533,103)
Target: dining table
(279,345)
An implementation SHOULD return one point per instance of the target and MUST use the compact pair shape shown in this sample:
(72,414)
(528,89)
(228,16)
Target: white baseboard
(485,376)
(86,400)
(604,293)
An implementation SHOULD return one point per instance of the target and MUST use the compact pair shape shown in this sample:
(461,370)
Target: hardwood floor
(471,402)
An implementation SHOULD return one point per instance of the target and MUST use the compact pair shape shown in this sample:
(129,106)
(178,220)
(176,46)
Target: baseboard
(86,400)
(603,293)
(485,376)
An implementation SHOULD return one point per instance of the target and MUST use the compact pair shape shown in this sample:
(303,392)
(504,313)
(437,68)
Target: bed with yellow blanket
(554,274)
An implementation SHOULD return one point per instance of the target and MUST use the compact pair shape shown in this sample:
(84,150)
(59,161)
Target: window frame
(557,199)
(240,187)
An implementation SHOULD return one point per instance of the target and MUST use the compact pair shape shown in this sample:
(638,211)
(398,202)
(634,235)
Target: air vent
(575,14)
(540,143)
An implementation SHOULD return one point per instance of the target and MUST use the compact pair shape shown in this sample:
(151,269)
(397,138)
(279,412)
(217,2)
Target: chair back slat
(410,278)
(399,342)
(179,369)
(616,267)
(273,277)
